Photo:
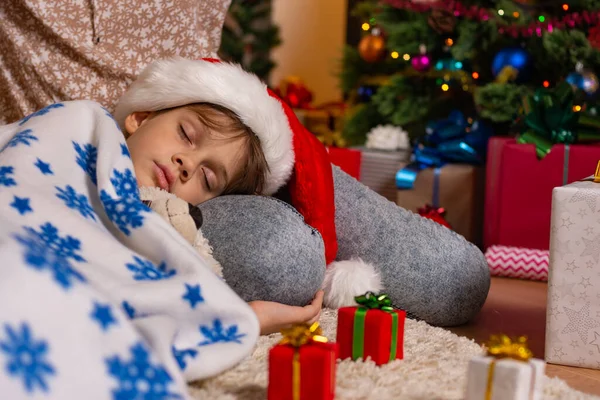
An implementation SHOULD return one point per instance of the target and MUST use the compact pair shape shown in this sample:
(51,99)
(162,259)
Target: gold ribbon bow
(298,335)
(597,173)
(502,346)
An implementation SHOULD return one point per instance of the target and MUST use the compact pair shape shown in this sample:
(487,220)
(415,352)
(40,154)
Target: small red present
(373,329)
(302,366)
(348,160)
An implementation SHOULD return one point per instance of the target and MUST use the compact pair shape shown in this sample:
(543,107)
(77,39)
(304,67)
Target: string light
(445,87)
(541,18)
(465,87)
(500,12)
(475,75)
(449,42)
(395,54)
(546,84)
(446,77)
(366,26)
(406,57)
(577,108)
(566,7)
(516,14)
(458,65)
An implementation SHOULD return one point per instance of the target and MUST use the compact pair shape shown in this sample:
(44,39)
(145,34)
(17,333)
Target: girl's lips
(161,177)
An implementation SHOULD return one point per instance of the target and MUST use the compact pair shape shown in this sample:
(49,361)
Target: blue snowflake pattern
(26,358)
(144,270)
(126,210)
(217,333)
(44,167)
(128,308)
(24,137)
(125,150)
(181,354)
(76,201)
(21,204)
(5,179)
(46,249)
(138,378)
(87,157)
(193,295)
(43,111)
(102,314)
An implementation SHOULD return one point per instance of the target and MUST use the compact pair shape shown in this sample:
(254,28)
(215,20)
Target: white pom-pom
(347,279)
(387,137)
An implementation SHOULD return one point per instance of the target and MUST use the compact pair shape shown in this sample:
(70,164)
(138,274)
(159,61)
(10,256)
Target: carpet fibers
(434,367)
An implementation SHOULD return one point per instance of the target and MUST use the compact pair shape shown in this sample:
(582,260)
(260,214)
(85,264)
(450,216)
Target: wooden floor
(517,307)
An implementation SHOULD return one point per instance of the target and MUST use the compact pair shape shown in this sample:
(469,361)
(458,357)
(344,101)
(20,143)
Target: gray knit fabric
(268,253)
(266,250)
(426,268)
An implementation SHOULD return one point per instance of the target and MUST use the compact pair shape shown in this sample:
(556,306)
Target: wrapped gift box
(510,379)
(317,366)
(376,338)
(460,193)
(519,187)
(349,160)
(573,312)
(378,170)
(517,262)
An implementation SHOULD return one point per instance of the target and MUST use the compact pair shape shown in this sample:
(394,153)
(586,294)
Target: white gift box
(573,313)
(507,379)
(378,170)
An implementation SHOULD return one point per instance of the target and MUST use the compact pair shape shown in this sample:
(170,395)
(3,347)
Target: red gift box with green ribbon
(373,329)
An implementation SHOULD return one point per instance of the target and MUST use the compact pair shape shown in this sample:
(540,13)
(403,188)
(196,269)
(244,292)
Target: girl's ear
(135,120)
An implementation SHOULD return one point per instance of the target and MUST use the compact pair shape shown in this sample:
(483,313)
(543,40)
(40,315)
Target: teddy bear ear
(196,215)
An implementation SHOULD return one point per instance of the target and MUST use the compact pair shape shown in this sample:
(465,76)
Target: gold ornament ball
(371,48)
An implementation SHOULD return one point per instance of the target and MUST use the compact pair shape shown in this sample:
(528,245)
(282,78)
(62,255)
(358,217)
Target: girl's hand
(275,316)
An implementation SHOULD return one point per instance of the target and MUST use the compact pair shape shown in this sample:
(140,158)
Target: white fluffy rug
(434,367)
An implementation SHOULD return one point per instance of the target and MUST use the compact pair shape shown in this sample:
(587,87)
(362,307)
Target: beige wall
(313,34)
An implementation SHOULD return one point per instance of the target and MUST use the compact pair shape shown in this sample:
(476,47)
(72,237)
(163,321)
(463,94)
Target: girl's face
(176,152)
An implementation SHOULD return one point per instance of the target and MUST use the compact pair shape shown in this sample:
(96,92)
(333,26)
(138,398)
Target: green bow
(373,301)
(550,119)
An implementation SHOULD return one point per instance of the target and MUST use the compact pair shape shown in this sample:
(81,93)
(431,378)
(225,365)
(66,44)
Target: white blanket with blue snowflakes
(99,297)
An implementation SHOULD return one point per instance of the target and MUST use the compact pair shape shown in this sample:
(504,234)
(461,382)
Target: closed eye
(206,179)
(184,135)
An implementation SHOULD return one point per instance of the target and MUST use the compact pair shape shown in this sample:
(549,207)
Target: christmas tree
(418,60)
(249,35)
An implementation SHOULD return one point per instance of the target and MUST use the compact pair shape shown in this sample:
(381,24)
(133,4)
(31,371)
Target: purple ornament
(421,62)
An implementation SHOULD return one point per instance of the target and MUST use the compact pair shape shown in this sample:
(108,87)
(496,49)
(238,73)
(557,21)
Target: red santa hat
(295,157)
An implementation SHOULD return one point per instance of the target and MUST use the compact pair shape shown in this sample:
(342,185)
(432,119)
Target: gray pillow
(266,250)
(268,253)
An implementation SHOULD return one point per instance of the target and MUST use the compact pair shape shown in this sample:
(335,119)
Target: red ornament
(594,37)
(434,213)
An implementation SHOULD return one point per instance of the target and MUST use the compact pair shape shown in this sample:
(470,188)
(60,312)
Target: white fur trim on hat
(177,82)
(347,279)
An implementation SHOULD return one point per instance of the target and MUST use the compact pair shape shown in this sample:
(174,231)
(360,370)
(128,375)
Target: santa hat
(295,157)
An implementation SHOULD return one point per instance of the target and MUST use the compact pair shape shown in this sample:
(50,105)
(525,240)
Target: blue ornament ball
(365,92)
(514,57)
(586,81)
